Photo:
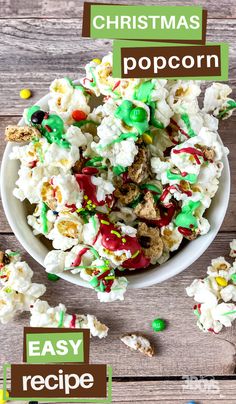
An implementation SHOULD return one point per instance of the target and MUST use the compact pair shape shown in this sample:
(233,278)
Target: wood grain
(73,9)
(170,392)
(210,354)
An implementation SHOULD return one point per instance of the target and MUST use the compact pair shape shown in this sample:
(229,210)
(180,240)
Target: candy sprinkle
(61,319)
(25,93)
(158,324)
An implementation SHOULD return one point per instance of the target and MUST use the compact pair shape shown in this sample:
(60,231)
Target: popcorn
(233,248)
(215,295)
(18,292)
(42,315)
(148,155)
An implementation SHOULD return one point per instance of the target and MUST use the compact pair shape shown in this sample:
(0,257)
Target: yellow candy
(221,281)
(2,401)
(25,93)
(147,138)
(98,61)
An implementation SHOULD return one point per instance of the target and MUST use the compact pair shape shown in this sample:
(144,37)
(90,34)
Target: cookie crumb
(15,133)
(138,343)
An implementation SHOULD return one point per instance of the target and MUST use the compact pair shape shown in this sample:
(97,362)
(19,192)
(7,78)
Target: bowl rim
(167,270)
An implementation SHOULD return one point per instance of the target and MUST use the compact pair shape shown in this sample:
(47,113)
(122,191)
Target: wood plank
(170,392)
(73,8)
(206,353)
(226,131)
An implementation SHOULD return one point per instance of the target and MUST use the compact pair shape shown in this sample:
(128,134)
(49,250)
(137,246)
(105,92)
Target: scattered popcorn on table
(215,295)
(119,187)
(138,343)
(233,248)
(42,315)
(18,293)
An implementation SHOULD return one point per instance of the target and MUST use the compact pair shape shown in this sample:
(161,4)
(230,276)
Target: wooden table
(40,40)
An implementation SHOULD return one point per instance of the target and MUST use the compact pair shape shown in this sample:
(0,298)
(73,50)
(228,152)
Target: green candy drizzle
(231,105)
(94,82)
(144,91)
(44,210)
(192,178)
(57,126)
(118,170)
(123,136)
(84,122)
(186,217)
(186,120)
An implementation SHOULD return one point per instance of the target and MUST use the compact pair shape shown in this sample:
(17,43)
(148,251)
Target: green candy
(138,114)
(186,218)
(124,111)
(158,324)
(53,277)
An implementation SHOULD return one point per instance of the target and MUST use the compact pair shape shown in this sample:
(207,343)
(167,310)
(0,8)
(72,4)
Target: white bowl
(16,213)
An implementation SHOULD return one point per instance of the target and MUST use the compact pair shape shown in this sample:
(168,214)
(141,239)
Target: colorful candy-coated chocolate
(25,93)
(37,117)
(79,115)
(96,60)
(158,324)
(90,170)
(191,402)
(221,281)
(138,114)
(233,277)
(2,401)
(147,138)
(53,277)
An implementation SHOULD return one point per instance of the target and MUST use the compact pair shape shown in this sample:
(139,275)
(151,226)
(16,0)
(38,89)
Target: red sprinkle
(185,232)
(116,85)
(90,170)
(73,321)
(72,207)
(33,163)
(48,128)
(79,115)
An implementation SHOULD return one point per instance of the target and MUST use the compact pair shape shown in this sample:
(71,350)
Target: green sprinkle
(61,319)
(53,277)
(93,84)
(118,170)
(135,254)
(44,210)
(93,161)
(186,120)
(94,223)
(109,277)
(95,253)
(8,290)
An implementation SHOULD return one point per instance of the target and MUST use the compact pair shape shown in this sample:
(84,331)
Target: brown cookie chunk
(14,133)
(127,193)
(150,241)
(147,209)
(139,170)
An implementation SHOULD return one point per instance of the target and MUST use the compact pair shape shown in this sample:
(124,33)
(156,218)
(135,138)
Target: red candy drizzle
(190,150)
(113,242)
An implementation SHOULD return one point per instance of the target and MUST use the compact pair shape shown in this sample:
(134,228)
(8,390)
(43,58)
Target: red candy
(90,170)
(78,115)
